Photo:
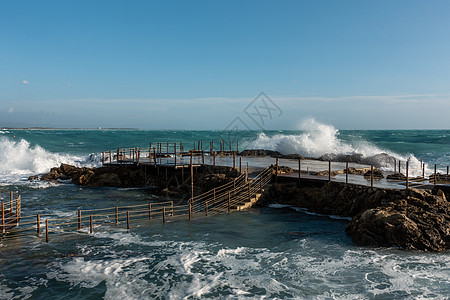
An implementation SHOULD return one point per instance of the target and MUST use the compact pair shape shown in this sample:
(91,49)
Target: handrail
(224,198)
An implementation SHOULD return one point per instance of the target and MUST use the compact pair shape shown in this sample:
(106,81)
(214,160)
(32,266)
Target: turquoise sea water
(272,252)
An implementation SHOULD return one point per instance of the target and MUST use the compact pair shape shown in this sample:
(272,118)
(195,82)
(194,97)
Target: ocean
(274,252)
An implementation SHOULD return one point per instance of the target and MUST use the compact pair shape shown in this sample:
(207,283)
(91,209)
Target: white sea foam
(185,270)
(318,139)
(18,160)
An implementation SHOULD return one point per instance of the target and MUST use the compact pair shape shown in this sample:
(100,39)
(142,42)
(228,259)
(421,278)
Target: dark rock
(408,219)
(421,221)
(396,176)
(274,154)
(378,160)
(260,152)
(292,156)
(33,178)
(377,174)
(355,171)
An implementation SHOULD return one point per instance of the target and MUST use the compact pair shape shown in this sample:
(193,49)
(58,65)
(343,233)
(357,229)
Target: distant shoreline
(52,128)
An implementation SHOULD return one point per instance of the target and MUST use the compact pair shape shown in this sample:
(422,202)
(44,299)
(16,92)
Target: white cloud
(25,82)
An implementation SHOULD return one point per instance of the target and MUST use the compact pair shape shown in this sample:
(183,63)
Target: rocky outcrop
(409,219)
(417,220)
(377,174)
(274,154)
(396,176)
(378,160)
(205,178)
(95,177)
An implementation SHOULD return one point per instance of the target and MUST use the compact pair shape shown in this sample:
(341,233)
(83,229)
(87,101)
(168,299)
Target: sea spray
(319,140)
(19,158)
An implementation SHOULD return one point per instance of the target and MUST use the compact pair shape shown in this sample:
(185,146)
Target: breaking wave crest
(318,140)
(19,159)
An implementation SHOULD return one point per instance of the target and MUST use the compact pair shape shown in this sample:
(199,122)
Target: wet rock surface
(408,219)
(205,178)
(270,153)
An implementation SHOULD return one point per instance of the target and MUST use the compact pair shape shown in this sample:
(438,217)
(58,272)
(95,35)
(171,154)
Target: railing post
(138,156)
(203,158)
(90,221)
(11,203)
(399,166)
(164,215)
(435,174)
(206,207)
(234,160)
(46,230)
(154,155)
(234,186)
(276,171)
(38,224)
(117,215)
(423,171)
(407,175)
(395,165)
(79,219)
(3,217)
(117,155)
(171,208)
(371,175)
(149,211)
(175,153)
(190,204)
(192,179)
(229,201)
(128,219)
(150,153)
(329,170)
(110,158)
(240,165)
(447,170)
(17,209)
(346,172)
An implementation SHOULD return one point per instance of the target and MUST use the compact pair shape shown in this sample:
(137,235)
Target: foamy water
(305,259)
(275,252)
(18,160)
(317,139)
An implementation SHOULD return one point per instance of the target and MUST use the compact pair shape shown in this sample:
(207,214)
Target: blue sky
(198,64)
